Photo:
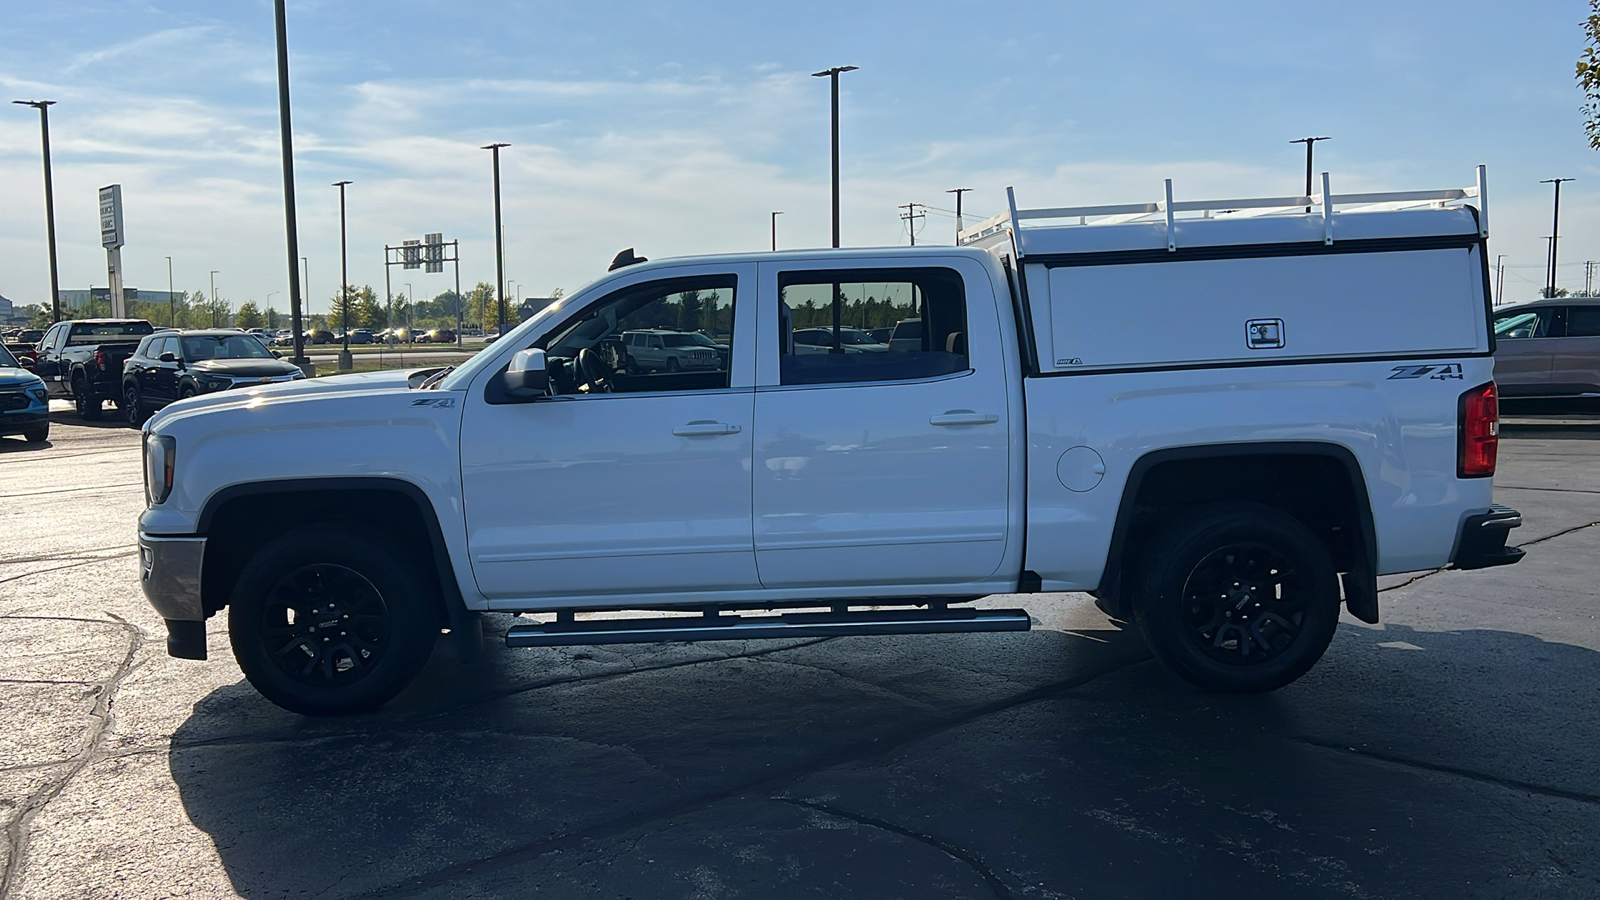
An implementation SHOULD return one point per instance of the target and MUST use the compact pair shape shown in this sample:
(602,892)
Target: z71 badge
(441,403)
(1434,372)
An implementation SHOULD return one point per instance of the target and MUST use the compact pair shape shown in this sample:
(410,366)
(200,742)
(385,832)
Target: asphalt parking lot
(1453,751)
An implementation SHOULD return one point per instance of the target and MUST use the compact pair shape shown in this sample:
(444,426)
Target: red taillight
(101,361)
(1479,432)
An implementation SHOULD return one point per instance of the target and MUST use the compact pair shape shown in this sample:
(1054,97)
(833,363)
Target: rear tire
(88,404)
(1240,598)
(326,621)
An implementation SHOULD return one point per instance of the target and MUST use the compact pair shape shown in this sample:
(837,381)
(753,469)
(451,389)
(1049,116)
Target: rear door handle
(703,428)
(964,417)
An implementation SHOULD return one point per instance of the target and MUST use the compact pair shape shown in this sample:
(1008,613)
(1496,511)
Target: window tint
(825,322)
(233,346)
(673,335)
(1583,321)
(1532,323)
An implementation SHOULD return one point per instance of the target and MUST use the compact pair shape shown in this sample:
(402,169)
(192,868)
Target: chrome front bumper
(169,573)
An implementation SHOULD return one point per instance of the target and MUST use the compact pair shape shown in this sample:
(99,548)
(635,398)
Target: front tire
(324,621)
(38,434)
(1240,598)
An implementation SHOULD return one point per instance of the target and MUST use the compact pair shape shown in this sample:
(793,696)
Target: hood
(388,381)
(240,368)
(15,377)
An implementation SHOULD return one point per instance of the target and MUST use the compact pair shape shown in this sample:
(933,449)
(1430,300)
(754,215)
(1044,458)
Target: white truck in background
(1224,419)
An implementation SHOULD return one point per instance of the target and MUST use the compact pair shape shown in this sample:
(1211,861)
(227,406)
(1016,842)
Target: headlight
(40,393)
(160,454)
(213,382)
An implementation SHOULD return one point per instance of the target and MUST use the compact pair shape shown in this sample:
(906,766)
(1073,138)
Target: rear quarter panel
(1401,430)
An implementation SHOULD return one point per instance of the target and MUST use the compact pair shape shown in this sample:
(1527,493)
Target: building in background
(78,299)
(7,311)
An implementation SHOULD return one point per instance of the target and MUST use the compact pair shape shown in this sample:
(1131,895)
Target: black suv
(172,365)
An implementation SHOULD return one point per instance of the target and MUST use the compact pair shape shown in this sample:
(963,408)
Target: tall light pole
(43,106)
(411,314)
(1309,142)
(775,214)
(833,75)
(346,361)
(499,247)
(291,230)
(213,298)
(958,192)
(1499,279)
(1555,236)
(172,302)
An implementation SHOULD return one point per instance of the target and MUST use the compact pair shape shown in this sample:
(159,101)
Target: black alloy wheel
(187,391)
(1240,597)
(326,625)
(132,408)
(327,620)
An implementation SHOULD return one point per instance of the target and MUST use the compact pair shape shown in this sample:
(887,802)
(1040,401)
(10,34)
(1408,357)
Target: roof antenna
(625,259)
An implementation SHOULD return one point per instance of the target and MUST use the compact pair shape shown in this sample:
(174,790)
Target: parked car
(177,365)
(361,336)
(663,350)
(437,336)
(851,340)
(1548,348)
(319,336)
(81,360)
(24,401)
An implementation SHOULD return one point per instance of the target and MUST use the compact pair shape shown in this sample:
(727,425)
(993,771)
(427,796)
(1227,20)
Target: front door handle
(704,428)
(964,417)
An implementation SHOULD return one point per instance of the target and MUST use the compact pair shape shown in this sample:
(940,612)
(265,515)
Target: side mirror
(167,357)
(528,375)
(277,355)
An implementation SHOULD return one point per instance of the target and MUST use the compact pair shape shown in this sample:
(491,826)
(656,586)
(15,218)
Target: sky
(677,128)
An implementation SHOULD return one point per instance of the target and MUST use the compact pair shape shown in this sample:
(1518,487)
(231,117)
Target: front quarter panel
(396,434)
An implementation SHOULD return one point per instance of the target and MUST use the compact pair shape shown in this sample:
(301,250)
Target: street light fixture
(43,106)
(291,229)
(1555,236)
(1310,142)
(346,361)
(833,76)
(775,214)
(499,247)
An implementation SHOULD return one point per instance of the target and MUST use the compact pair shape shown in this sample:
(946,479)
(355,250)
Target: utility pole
(910,216)
(346,361)
(775,214)
(1555,236)
(290,228)
(1588,278)
(958,192)
(43,106)
(213,298)
(1309,142)
(499,248)
(833,75)
(172,302)
(1499,279)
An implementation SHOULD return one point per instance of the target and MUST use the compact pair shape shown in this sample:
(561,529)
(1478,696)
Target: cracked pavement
(1453,751)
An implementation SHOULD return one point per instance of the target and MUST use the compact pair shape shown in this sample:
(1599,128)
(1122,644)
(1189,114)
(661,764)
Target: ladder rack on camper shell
(1324,205)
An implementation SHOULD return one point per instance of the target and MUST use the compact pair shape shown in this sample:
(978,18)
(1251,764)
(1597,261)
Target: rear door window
(1583,321)
(825,320)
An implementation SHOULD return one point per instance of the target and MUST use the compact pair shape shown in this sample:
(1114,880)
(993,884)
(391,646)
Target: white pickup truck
(1224,419)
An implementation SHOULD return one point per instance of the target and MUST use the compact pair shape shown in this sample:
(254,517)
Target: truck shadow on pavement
(1043,764)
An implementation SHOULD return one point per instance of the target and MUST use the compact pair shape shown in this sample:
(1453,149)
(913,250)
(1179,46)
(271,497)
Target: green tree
(1588,74)
(250,316)
(274,318)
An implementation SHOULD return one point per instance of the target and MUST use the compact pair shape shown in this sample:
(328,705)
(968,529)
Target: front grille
(14,400)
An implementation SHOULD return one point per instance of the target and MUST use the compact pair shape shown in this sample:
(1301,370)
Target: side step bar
(712,627)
